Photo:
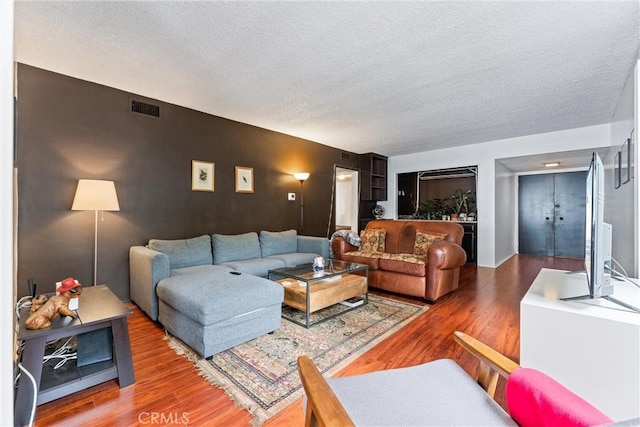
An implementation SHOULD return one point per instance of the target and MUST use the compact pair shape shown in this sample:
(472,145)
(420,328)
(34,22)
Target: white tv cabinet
(591,347)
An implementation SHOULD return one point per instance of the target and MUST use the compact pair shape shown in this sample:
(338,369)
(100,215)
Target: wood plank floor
(169,391)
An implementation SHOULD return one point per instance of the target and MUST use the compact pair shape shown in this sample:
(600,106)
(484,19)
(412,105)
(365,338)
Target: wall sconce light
(301,176)
(95,195)
(551,164)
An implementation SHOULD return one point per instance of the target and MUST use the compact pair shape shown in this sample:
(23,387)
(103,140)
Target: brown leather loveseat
(417,258)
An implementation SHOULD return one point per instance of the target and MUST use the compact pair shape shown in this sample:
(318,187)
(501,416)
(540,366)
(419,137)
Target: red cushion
(534,399)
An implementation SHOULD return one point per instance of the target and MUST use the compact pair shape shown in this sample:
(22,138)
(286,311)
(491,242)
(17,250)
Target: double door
(551,219)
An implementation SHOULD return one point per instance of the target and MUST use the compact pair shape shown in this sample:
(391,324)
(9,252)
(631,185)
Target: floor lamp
(301,176)
(95,195)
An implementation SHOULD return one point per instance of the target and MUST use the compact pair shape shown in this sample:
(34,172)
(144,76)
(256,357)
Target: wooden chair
(441,393)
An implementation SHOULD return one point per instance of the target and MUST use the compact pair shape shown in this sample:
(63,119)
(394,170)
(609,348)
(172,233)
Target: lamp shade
(301,176)
(95,195)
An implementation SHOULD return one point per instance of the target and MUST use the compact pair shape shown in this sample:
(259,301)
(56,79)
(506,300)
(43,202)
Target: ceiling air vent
(144,108)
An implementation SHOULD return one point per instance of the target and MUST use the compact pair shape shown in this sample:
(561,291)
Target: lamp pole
(301,176)
(95,250)
(302,206)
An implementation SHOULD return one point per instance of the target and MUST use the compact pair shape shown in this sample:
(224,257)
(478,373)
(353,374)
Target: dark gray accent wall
(69,129)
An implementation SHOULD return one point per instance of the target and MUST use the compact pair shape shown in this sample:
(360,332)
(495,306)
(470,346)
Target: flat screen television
(597,244)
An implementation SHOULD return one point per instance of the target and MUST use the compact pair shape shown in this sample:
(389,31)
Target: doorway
(551,219)
(347,193)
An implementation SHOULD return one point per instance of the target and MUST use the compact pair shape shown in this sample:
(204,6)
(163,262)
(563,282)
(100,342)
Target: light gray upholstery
(294,258)
(184,252)
(438,393)
(275,243)
(214,311)
(201,302)
(316,245)
(235,248)
(198,269)
(146,268)
(208,340)
(210,298)
(634,422)
(257,266)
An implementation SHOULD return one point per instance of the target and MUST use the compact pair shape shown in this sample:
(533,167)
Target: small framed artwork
(625,163)
(616,170)
(202,175)
(244,179)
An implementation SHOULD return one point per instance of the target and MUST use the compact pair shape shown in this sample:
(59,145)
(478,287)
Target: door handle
(561,218)
(546,218)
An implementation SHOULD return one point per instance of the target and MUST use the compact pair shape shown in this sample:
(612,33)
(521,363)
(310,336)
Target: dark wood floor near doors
(486,306)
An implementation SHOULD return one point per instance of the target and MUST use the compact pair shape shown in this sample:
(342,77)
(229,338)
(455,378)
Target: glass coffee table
(308,291)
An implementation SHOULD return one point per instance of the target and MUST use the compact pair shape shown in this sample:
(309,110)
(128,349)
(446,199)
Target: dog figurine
(55,306)
(37,302)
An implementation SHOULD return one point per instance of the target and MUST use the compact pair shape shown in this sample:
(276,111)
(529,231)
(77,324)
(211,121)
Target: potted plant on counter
(460,200)
(432,209)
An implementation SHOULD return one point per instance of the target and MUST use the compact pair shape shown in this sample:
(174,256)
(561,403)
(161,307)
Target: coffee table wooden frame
(309,292)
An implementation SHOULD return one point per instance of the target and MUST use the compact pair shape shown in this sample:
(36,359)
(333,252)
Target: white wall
(7,283)
(347,200)
(343,202)
(484,156)
(619,211)
(506,220)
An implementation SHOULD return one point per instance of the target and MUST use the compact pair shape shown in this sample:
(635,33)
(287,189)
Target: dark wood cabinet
(365,213)
(373,172)
(469,240)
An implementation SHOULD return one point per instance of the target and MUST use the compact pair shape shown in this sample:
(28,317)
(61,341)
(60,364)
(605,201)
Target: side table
(98,308)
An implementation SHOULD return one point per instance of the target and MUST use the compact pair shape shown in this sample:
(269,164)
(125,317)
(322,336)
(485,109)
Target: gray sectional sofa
(212,291)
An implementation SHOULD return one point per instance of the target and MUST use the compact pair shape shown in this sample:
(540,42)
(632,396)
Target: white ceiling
(567,160)
(389,77)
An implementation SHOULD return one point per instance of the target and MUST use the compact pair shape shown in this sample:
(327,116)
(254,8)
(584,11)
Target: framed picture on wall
(616,170)
(625,162)
(244,179)
(202,175)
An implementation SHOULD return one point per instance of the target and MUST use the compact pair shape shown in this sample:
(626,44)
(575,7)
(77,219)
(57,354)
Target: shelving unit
(373,169)
(366,213)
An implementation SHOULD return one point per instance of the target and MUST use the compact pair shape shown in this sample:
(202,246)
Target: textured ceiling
(568,160)
(389,77)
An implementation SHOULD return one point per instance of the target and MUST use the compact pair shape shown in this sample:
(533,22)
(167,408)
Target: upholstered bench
(212,311)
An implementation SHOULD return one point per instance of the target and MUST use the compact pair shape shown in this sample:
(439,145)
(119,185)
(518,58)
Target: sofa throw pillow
(424,241)
(278,242)
(373,240)
(235,247)
(185,252)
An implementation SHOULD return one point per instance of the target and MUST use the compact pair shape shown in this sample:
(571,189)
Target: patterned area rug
(261,375)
